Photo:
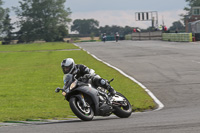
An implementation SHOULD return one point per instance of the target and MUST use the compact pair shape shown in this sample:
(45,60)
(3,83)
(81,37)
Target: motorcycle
(87,101)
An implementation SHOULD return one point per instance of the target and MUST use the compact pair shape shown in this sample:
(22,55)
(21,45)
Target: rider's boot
(112,91)
(98,81)
(106,85)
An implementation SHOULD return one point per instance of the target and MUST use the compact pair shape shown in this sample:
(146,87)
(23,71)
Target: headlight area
(73,85)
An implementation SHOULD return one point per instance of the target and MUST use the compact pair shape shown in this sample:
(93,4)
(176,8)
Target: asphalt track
(171,70)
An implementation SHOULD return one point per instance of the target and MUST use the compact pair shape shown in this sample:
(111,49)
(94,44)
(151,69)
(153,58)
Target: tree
(115,28)
(3,13)
(111,30)
(7,29)
(42,20)
(191,3)
(128,30)
(85,26)
(105,29)
(177,26)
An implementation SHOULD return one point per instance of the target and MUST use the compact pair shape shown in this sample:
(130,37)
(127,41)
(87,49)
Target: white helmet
(67,65)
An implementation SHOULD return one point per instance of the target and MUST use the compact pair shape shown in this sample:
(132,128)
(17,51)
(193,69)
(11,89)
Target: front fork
(81,99)
(79,96)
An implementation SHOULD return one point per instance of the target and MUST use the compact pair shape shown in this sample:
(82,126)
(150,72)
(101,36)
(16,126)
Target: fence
(197,36)
(155,35)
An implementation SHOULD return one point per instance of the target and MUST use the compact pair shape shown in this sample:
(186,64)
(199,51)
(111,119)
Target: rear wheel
(84,113)
(125,109)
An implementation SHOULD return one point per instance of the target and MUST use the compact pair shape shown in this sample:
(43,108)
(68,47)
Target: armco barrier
(177,37)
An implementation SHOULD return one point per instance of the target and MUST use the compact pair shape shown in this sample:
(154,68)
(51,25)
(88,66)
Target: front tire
(85,114)
(123,111)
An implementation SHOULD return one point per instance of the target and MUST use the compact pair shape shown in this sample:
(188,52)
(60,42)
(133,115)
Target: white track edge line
(160,105)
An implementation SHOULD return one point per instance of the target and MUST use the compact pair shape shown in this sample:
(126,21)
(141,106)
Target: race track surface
(170,70)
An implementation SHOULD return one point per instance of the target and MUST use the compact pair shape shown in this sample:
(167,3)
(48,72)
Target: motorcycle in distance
(86,101)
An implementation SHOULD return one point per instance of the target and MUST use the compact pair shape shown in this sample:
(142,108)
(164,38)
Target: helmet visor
(67,69)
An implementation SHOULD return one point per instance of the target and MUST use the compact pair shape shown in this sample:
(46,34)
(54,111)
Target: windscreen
(68,79)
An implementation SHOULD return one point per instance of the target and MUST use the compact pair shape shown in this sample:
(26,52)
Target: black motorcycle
(87,101)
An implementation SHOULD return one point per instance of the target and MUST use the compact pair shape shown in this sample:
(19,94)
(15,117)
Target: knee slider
(102,81)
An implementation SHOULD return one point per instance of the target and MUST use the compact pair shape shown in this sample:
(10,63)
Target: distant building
(194,27)
(193,17)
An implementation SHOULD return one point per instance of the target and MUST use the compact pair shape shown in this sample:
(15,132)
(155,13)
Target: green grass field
(28,80)
(37,46)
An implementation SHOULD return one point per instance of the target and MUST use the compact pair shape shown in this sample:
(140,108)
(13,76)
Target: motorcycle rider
(116,36)
(69,67)
(104,37)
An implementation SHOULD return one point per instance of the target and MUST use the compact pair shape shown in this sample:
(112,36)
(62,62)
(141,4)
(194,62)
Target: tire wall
(177,37)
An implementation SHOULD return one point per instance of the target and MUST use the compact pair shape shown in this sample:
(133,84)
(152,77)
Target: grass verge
(28,81)
(37,46)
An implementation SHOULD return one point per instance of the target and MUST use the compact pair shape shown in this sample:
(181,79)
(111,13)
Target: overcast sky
(120,12)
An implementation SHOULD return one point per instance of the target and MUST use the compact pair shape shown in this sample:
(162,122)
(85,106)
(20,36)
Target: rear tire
(86,114)
(123,111)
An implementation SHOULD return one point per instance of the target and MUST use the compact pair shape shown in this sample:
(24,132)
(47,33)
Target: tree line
(91,26)
(48,20)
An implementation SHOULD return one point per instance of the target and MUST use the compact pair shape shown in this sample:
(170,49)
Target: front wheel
(84,113)
(125,109)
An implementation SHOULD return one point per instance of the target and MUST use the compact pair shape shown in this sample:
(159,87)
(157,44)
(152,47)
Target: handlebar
(58,89)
